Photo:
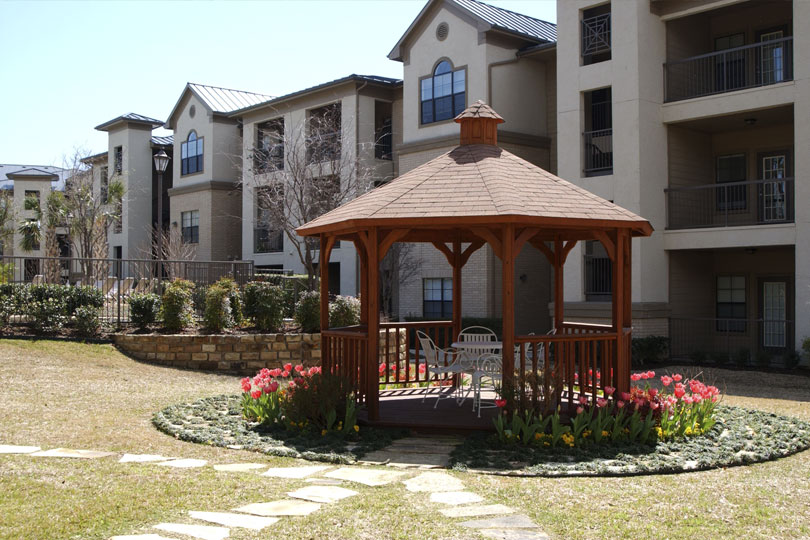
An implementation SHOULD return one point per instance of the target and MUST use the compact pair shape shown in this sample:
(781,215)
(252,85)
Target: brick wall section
(244,354)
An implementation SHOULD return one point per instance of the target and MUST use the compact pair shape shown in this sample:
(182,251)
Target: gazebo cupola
(479,194)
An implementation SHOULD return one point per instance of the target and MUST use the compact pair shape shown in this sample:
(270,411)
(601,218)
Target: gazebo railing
(401,353)
(344,353)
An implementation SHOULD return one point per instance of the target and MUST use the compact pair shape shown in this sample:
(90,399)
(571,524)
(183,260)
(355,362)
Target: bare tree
(398,267)
(174,249)
(302,172)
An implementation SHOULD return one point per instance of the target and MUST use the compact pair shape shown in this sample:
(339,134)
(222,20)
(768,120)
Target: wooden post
(363,287)
(622,374)
(559,300)
(373,390)
(508,304)
(457,266)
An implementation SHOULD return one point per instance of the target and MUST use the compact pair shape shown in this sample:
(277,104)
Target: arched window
(443,94)
(191,152)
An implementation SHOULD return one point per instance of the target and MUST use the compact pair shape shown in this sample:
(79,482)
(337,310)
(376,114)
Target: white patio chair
(437,362)
(38,279)
(107,287)
(469,355)
(489,369)
(140,286)
(126,286)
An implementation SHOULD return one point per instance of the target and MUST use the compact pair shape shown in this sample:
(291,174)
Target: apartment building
(341,132)
(454,53)
(694,115)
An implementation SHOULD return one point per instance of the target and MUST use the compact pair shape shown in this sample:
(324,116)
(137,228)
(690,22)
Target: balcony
(267,241)
(596,35)
(750,66)
(730,204)
(598,146)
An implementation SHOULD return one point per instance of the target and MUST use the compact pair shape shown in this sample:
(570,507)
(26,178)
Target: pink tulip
(580,410)
(635,377)
(601,402)
(609,390)
(665,380)
(583,400)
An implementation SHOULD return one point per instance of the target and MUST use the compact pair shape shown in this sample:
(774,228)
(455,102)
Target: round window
(442,30)
(192,111)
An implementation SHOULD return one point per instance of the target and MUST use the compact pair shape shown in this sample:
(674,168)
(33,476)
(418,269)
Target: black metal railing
(598,147)
(598,278)
(730,204)
(323,147)
(119,279)
(749,66)
(742,342)
(595,37)
(267,241)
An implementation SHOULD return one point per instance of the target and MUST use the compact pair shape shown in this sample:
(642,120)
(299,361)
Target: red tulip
(677,377)
(665,380)
(256,394)
(500,403)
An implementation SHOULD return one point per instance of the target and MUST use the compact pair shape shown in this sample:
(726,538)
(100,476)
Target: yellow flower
(323,432)
(659,432)
(536,436)
(546,443)
(605,433)
(356,427)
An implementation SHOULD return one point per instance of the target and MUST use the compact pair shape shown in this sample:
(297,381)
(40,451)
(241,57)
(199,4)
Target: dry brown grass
(90,396)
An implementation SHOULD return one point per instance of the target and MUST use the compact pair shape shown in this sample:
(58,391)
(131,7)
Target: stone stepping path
(143,458)
(455,497)
(141,537)
(476,511)
(203,532)
(240,467)
(368,477)
(423,452)
(70,453)
(433,482)
(295,472)
(280,508)
(183,463)
(12,449)
(322,494)
(228,519)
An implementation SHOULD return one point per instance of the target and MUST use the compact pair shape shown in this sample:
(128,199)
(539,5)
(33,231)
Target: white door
(774,313)
(772,59)
(774,196)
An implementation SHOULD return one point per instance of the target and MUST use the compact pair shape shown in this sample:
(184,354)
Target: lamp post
(161,162)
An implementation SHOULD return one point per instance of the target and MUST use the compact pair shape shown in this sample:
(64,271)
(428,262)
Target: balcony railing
(730,204)
(749,66)
(598,152)
(598,278)
(323,147)
(595,37)
(267,241)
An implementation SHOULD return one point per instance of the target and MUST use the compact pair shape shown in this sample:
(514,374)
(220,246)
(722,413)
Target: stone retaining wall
(244,354)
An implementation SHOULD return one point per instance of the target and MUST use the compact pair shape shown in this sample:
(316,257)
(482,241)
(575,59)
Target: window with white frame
(437,298)
(190,227)
(443,94)
(731,305)
(191,153)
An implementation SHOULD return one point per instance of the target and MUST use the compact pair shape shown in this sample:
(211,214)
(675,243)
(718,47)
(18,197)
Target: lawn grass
(89,396)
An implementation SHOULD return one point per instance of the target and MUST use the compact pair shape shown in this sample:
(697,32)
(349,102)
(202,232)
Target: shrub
(6,272)
(86,296)
(87,321)
(264,303)
(144,309)
(12,300)
(741,357)
(177,309)
(344,311)
(234,299)
(308,312)
(649,349)
(764,359)
(792,359)
(47,314)
(217,314)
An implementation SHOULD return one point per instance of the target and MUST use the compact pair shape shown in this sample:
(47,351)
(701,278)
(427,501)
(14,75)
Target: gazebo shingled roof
(474,195)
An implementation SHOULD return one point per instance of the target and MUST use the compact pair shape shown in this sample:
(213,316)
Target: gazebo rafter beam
(544,249)
(392,237)
(567,249)
(524,236)
(446,251)
(491,238)
(610,246)
(472,248)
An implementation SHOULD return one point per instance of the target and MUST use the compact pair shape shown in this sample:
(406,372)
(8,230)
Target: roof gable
(131,118)
(488,18)
(217,100)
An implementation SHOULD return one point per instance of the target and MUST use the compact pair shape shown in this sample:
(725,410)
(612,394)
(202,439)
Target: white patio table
(474,350)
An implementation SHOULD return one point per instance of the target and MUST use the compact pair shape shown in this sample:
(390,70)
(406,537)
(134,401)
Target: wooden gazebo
(480,194)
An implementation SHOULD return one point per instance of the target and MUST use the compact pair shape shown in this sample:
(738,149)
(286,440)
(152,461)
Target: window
(598,273)
(596,34)
(32,195)
(443,95)
(269,154)
(104,183)
(190,226)
(598,135)
(118,156)
(438,298)
(729,68)
(323,139)
(774,195)
(265,238)
(191,152)
(731,307)
(383,133)
(731,168)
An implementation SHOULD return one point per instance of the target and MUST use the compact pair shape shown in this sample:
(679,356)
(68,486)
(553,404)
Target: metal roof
(374,79)
(8,183)
(510,21)
(130,117)
(225,100)
(162,141)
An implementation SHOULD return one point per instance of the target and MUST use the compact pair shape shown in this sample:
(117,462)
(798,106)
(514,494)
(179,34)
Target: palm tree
(31,230)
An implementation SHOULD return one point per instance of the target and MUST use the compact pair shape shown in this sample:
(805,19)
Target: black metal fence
(749,66)
(119,279)
(729,204)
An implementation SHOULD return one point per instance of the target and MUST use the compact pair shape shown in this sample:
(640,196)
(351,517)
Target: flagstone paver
(13,449)
(240,467)
(141,537)
(244,521)
(455,497)
(324,481)
(519,521)
(71,453)
(280,508)
(476,511)
(433,481)
(203,532)
(368,477)
(406,460)
(295,472)
(514,534)
(143,458)
(322,494)
(183,463)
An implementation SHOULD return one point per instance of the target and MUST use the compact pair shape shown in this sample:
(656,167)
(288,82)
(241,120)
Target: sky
(66,67)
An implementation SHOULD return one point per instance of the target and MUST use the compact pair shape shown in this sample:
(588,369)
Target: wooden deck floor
(404,408)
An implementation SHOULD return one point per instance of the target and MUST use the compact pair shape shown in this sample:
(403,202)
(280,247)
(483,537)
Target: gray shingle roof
(163,141)
(225,100)
(510,21)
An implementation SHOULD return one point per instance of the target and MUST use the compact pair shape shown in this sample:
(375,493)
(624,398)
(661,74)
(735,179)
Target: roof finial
(479,124)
